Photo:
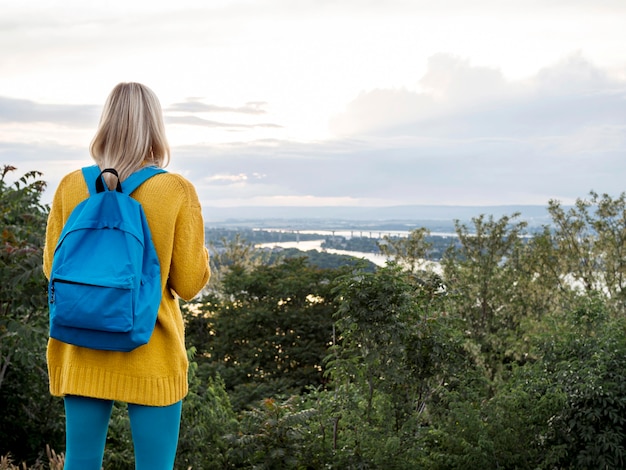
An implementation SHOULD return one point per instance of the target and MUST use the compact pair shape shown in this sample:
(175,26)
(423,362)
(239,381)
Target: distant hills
(390,217)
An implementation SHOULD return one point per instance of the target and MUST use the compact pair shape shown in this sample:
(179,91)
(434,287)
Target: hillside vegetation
(511,356)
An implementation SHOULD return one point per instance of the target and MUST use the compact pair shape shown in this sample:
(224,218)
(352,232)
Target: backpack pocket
(92,307)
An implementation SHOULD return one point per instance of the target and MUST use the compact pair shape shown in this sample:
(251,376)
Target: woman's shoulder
(173,181)
(170,185)
(174,178)
(72,186)
(72,178)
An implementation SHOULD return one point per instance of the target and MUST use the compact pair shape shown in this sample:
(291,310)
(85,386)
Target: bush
(30,417)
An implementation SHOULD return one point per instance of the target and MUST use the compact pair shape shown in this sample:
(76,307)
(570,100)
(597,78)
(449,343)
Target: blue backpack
(105,283)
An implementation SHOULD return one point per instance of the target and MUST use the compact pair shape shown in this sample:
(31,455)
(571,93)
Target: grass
(55,462)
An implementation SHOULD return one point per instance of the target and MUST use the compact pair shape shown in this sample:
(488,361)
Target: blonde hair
(131,133)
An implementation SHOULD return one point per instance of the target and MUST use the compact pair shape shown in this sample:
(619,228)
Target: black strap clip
(100,186)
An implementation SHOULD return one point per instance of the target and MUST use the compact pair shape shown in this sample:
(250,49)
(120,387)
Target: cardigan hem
(108,385)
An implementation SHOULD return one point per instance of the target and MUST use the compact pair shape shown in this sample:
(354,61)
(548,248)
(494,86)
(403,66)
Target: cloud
(458,100)
(450,86)
(197,121)
(228,178)
(396,171)
(450,78)
(14,110)
(195,106)
(468,135)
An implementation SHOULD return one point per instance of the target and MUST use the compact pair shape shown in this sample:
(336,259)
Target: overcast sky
(332,102)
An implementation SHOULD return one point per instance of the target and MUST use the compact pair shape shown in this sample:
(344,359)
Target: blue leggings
(154,429)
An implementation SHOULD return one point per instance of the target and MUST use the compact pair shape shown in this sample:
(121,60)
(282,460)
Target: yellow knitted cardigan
(154,374)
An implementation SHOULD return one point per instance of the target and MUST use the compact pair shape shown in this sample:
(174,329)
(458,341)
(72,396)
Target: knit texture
(154,374)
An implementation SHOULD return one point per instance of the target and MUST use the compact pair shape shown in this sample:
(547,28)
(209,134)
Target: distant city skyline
(311,103)
(350,217)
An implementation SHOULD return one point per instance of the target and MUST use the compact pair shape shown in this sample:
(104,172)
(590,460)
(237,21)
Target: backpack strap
(92,173)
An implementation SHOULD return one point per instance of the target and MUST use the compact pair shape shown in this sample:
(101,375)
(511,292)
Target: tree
(23,288)
(273,435)
(267,331)
(481,274)
(563,409)
(232,253)
(590,246)
(411,250)
(395,346)
(583,356)
(30,417)
(207,417)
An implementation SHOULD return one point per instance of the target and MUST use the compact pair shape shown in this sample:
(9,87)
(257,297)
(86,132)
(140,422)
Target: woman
(152,379)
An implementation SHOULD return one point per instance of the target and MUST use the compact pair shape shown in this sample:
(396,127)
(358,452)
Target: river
(377,259)
(307,245)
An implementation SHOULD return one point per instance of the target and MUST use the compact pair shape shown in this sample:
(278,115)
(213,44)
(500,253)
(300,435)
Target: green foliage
(590,245)
(475,427)
(412,250)
(563,410)
(395,348)
(207,417)
(272,436)
(321,259)
(584,357)
(54,462)
(30,417)
(481,274)
(359,244)
(23,286)
(268,331)
(232,253)
(222,237)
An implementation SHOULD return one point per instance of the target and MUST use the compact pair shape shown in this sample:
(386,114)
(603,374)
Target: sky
(332,102)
